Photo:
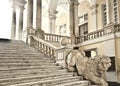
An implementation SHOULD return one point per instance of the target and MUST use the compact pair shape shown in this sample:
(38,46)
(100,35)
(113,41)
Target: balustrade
(53,37)
(43,46)
(113,28)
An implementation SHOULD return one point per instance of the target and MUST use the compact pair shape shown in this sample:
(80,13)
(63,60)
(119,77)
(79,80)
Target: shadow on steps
(113,84)
(4,40)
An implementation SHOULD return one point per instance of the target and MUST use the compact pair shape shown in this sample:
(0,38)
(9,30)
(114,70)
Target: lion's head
(101,63)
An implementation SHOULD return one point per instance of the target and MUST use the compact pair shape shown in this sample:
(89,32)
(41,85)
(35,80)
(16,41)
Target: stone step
(15,53)
(14,59)
(22,65)
(27,60)
(29,73)
(8,62)
(28,67)
(49,82)
(76,83)
(27,79)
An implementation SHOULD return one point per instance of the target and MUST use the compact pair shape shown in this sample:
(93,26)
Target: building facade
(93,25)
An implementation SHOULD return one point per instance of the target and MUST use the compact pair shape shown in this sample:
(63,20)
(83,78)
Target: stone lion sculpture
(92,69)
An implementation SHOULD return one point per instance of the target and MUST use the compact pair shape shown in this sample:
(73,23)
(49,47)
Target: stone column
(29,18)
(17,21)
(39,32)
(38,14)
(110,15)
(20,23)
(13,23)
(52,22)
(30,13)
(73,19)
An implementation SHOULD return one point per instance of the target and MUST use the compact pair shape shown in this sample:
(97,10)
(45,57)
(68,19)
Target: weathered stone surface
(92,69)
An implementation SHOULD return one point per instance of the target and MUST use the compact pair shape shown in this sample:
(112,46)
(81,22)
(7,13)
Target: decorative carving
(65,41)
(92,69)
(40,34)
(31,31)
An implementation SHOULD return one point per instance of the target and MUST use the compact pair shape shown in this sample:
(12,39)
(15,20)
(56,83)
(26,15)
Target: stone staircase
(22,65)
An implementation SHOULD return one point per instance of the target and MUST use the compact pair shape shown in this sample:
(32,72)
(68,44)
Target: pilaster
(93,17)
(110,15)
(118,11)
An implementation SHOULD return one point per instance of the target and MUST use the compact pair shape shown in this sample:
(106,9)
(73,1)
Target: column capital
(76,2)
(93,6)
(73,2)
(52,14)
(18,3)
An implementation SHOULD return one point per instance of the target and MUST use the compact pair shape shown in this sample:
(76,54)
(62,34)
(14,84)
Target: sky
(5,16)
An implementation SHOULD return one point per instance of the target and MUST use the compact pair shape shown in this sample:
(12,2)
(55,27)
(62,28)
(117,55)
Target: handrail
(48,49)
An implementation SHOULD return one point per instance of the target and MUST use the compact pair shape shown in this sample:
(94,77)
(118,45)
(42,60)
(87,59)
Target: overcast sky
(5,19)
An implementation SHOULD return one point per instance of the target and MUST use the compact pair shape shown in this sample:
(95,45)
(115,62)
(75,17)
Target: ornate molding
(93,7)
(73,2)
(18,3)
(52,14)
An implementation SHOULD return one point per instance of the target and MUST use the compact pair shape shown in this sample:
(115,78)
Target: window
(115,11)
(91,53)
(104,15)
(112,68)
(83,18)
(63,29)
(83,29)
